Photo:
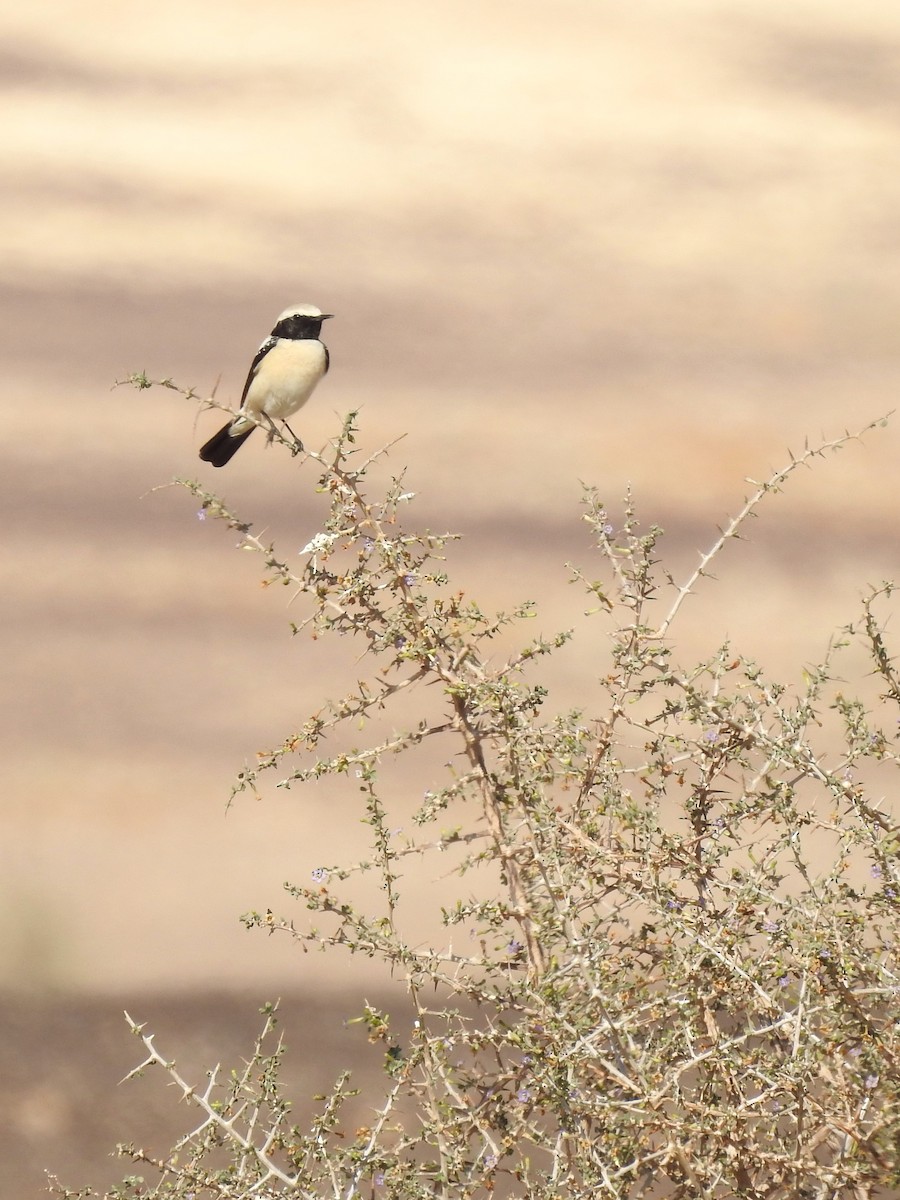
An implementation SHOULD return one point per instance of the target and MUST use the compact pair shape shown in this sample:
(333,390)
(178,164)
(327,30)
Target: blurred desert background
(648,244)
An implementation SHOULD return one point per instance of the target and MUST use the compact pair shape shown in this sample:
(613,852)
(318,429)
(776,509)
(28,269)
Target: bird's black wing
(254,366)
(327,359)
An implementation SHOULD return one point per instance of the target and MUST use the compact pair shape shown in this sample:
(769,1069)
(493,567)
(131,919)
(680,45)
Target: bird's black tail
(221,448)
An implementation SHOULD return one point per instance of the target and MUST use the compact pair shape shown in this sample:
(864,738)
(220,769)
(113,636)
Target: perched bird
(286,369)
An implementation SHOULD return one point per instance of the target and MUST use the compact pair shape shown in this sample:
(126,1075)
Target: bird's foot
(298,446)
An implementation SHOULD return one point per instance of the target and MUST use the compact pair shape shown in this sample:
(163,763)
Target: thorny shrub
(686,973)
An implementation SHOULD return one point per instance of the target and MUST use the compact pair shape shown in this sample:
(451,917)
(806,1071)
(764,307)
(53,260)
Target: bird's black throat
(298,326)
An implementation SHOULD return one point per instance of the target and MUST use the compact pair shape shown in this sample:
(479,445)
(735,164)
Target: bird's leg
(297,447)
(270,427)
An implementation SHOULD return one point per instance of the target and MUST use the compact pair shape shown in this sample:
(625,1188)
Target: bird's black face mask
(298,326)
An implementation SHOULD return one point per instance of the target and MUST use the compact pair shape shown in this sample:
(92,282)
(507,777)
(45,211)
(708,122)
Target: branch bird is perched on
(286,369)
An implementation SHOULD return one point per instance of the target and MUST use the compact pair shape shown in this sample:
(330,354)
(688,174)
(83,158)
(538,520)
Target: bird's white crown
(300,310)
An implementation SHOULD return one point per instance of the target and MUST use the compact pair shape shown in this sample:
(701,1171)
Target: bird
(283,374)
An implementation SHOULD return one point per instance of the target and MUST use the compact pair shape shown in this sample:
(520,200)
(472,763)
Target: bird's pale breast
(286,377)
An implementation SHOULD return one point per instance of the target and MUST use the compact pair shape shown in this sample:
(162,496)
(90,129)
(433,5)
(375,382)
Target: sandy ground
(652,245)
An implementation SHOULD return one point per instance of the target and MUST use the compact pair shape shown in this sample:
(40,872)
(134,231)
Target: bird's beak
(326,316)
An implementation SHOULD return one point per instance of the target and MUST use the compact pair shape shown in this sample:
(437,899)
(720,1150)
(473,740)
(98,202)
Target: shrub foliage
(684,979)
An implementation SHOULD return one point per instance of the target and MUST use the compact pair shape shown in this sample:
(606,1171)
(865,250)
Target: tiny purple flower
(871,1081)
(320,874)
(711,735)
(379,1179)
(201,515)
(409,580)
(523,1095)
(514,948)
(876,871)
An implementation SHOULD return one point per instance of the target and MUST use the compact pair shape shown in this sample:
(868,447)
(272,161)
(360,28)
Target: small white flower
(321,542)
